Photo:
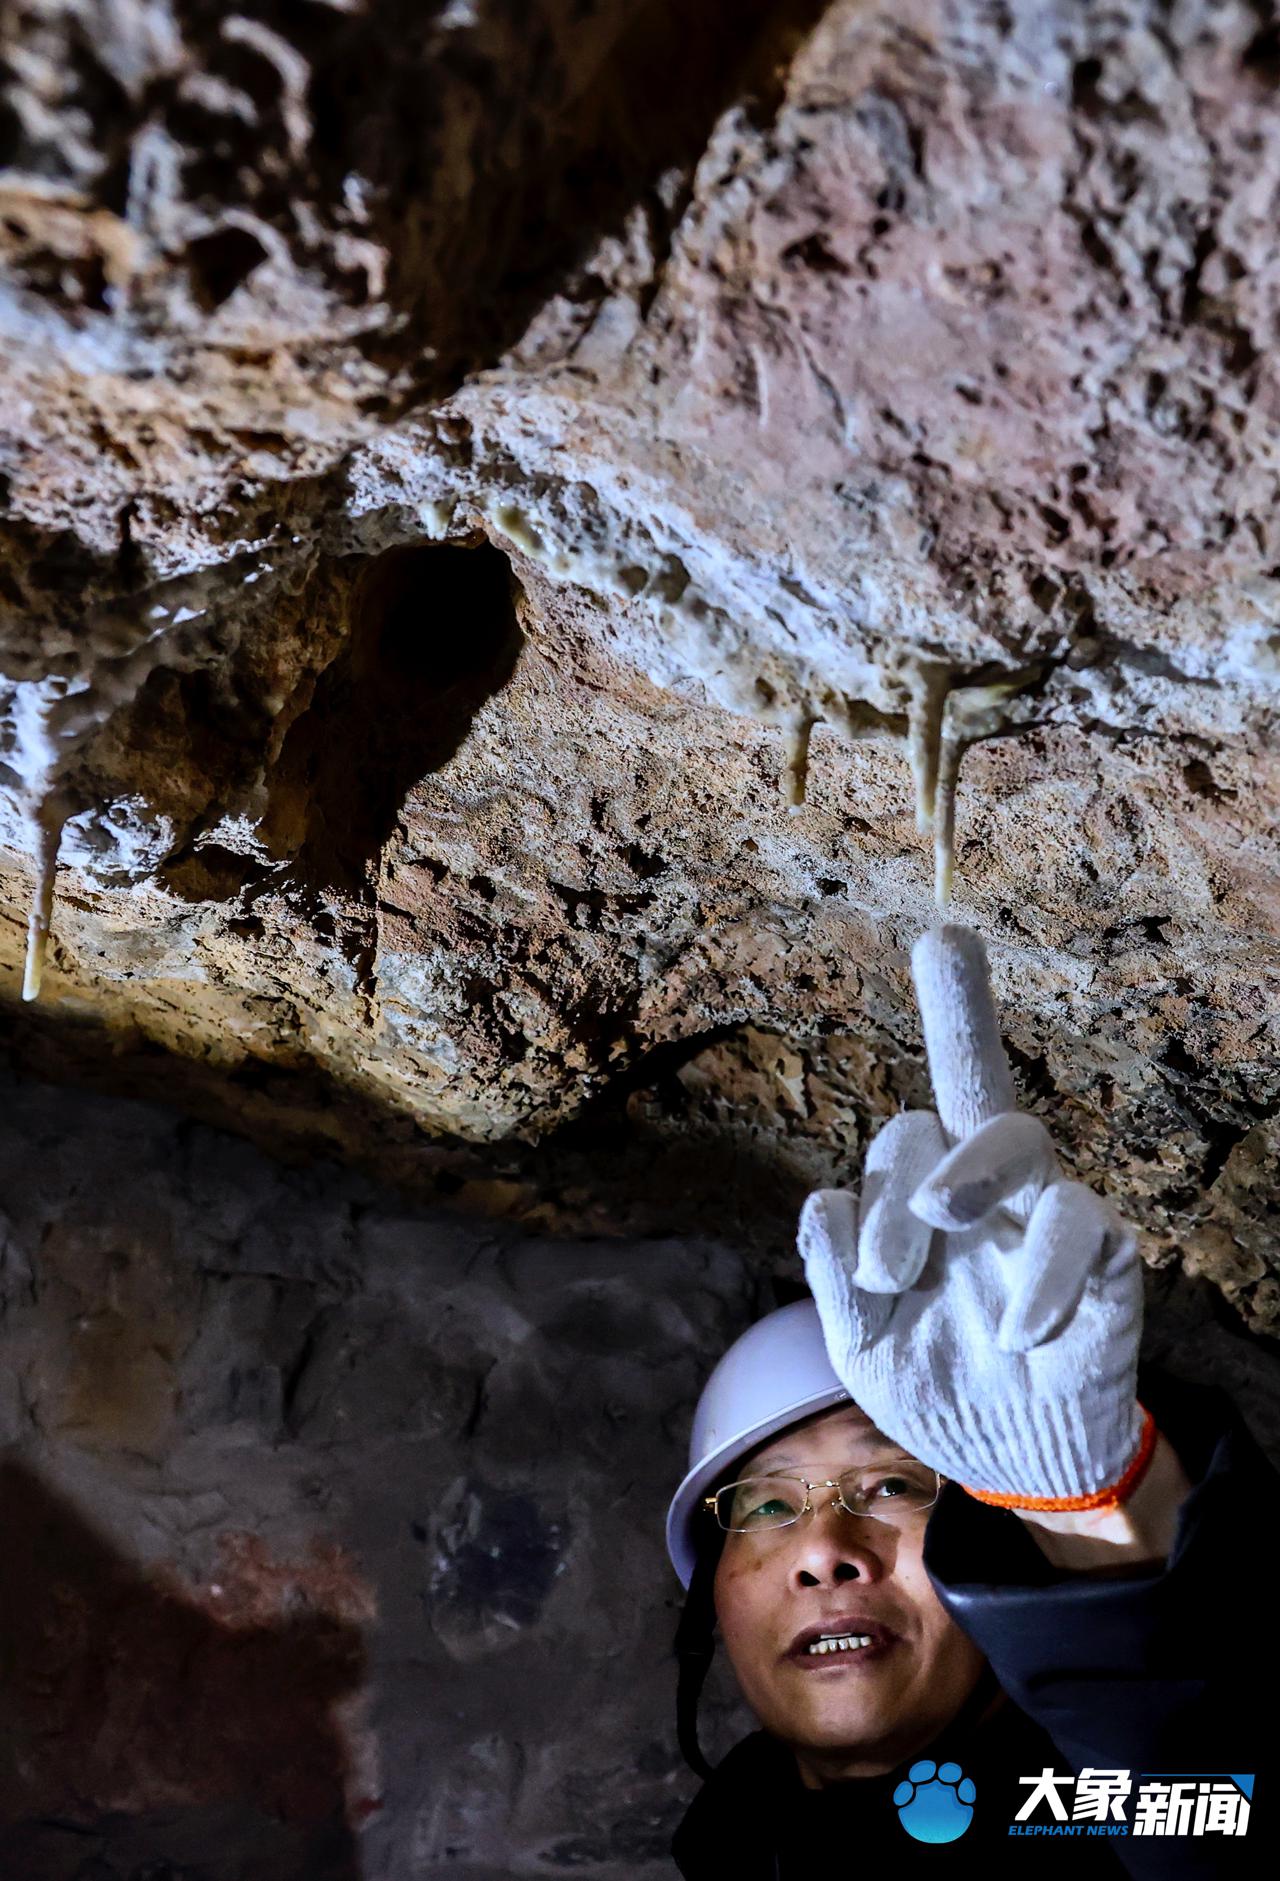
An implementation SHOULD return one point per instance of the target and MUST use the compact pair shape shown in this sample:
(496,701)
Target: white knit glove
(983,1311)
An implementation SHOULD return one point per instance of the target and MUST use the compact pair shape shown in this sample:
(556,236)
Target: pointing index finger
(971,1078)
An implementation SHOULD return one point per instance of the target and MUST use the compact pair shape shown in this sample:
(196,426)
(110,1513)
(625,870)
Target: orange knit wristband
(1100,1498)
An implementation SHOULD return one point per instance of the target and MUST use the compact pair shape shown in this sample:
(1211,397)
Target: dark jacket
(1175,1671)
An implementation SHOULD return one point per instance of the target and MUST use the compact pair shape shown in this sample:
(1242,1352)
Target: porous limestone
(499,510)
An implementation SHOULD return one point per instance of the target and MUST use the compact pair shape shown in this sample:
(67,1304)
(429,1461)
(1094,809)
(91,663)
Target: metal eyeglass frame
(711,1503)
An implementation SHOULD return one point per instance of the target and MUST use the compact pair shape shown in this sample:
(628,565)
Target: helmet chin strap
(695,1646)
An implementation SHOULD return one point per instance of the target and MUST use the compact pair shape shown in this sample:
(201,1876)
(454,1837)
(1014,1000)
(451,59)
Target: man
(965,1555)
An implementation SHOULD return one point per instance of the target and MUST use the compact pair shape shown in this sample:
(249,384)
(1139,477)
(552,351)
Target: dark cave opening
(434,636)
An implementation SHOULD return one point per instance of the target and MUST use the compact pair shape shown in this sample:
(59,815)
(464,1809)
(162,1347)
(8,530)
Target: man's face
(855,1712)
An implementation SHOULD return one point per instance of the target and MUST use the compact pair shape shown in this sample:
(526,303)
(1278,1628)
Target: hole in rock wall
(433,637)
(220,261)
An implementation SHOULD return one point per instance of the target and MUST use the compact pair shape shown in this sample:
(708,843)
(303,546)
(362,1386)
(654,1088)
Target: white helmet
(775,1374)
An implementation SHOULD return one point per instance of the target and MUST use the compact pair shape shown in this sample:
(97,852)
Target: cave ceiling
(490,492)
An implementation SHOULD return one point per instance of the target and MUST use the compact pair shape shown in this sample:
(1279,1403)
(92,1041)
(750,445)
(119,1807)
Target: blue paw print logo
(935,1801)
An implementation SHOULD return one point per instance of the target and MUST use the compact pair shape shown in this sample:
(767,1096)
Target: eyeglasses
(898,1493)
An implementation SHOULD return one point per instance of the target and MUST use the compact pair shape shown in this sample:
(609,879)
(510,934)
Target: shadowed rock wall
(335,1525)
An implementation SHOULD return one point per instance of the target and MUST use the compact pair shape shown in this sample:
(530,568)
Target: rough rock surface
(456,457)
(334,1525)
(330,1520)
(464,469)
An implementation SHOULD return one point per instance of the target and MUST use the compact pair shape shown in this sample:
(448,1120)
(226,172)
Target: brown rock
(451,470)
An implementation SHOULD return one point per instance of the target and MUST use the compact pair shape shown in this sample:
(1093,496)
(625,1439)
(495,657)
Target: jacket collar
(720,1833)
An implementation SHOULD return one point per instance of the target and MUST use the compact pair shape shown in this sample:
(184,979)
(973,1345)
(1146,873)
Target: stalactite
(49,822)
(797,771)
(928,682)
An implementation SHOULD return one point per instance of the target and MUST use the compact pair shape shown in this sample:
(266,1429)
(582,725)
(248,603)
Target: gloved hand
(982,1310)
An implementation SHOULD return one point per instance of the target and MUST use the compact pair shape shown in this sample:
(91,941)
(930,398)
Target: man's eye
(758,1507)
(886,1487)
